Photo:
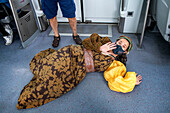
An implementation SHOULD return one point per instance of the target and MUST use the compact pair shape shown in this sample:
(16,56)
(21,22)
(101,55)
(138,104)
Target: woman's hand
(107,47)
(138,79)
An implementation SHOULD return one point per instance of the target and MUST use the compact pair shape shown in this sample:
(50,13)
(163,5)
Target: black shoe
(77,39)
(56,41)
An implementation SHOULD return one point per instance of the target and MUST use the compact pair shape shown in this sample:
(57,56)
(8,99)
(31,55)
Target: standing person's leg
(50,9)
(54,25)
(73,25)
(68,10)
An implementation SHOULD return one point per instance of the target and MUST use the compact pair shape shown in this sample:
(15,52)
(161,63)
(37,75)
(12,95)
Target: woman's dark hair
(122,58)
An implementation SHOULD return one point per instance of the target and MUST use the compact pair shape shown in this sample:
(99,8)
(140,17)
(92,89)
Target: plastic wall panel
(131,22)
(104,11)
(163,17)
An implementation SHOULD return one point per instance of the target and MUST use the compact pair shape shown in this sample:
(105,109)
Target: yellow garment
(116,80)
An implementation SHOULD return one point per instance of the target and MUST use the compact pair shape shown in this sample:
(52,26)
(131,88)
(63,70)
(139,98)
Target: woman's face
(123,43)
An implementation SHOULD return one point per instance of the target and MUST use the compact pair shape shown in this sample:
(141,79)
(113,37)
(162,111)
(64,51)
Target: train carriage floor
(92,95)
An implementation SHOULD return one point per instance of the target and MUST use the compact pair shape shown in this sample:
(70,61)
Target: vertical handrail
(39,1)
(122,5)
(143,30)
(82,11)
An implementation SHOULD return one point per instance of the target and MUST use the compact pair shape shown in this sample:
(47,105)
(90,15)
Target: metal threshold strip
(109,30)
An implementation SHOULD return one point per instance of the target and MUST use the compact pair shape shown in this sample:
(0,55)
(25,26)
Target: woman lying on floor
(58,71)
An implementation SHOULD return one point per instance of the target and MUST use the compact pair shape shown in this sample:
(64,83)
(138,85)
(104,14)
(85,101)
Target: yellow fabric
(116,80)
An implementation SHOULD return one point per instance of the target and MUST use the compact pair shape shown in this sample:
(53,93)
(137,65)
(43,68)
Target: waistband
(88,55)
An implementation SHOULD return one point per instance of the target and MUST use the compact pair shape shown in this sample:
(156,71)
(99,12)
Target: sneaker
(7,19)
(56,41)
(8,38)
(77,39)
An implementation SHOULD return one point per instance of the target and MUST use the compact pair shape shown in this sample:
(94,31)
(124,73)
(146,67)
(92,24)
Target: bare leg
(54,25)
(73,25)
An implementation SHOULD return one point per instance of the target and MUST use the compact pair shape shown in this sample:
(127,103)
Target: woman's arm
(119,80)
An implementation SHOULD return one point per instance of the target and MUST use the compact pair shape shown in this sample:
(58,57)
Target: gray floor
(92,95)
